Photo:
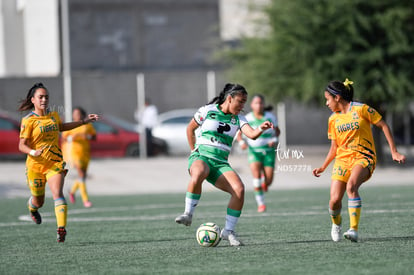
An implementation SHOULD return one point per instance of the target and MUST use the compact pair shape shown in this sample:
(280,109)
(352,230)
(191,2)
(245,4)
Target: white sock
(190,205)
(231,222)
(259,195)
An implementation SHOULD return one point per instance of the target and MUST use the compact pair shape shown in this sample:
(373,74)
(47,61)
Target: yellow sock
(84,194)
(354,209)
(336,216)
(75,187)
(61,210)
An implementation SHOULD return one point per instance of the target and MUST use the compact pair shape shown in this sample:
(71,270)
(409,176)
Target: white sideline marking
(26,220)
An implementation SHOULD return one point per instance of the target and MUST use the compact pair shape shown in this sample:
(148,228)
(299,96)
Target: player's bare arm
(251,133)
(396,156)
(71,125)
(191,127)
(329,157)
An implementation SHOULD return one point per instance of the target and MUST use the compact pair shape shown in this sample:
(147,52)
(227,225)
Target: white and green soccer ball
(208,234)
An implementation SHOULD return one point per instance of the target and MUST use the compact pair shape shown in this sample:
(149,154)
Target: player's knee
(335,202)
(239,190)
(351,188)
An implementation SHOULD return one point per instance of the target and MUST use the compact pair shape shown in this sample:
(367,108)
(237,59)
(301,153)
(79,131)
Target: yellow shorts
(36,180)
(342,168)
(81,163)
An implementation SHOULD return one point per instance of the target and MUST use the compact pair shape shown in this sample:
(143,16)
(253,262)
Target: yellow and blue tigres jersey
(42,133)
(79,147)
(352,131)
(217,131)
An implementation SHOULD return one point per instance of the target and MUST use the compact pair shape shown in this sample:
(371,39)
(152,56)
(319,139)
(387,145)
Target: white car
(172,127)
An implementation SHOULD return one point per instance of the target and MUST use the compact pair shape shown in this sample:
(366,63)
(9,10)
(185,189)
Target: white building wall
(238,18)
(41,36)
(2,43)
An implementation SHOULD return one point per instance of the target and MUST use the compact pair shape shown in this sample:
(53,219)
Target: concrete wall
(127,34)
(115,94)
(29,38)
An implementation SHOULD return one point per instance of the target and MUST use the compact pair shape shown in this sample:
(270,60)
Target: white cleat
(231,237)
(185,219)
(336,232)
(351,235)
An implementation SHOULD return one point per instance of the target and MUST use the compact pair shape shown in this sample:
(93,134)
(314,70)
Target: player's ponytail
(26,104)
(229,89)
(344,89)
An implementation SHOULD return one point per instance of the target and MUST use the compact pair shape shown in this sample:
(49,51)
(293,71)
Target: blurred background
(186,50)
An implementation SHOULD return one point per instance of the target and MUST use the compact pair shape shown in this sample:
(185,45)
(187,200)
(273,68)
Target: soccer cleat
(336,232)
(72,197)
(61,234)
(87,204)
(264,187)
(231,237)
(185,219)
(261,208)
(351,235)
(36,217)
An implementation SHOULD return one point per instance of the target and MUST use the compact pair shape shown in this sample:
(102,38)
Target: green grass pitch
(138,235)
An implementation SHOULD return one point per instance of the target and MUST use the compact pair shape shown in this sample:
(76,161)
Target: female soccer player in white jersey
(219,122)
(262,154)
(353,149)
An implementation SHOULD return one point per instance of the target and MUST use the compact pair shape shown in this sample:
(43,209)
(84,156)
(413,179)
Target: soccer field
(137,235)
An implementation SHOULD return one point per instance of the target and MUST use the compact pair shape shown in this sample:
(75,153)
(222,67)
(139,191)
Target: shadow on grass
(363,240)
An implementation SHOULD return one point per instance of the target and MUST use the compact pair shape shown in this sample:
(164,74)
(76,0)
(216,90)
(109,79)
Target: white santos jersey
(217,131)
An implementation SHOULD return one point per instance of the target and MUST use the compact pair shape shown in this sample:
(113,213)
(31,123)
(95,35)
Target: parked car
(9,137)
(116,137)
(172,127)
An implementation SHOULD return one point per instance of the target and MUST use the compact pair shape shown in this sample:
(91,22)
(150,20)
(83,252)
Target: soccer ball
(208,234)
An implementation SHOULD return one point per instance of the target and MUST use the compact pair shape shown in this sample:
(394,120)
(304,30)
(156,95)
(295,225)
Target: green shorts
(217,168)
(266,157)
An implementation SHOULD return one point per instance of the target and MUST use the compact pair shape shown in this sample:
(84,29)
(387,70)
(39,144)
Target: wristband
(261,129)
(242,142)
(32,153)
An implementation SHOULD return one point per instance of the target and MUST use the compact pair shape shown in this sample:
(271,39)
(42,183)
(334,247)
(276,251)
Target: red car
(9,137)
(114,138)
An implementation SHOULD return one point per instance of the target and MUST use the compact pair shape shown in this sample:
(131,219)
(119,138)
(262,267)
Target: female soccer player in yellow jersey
(39,139)
(76,151)
(353,149)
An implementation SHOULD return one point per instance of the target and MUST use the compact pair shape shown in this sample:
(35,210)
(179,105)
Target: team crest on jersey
(233,120)
(355,115)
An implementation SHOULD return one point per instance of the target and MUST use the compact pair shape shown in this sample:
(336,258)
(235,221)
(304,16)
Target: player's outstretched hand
(397,157)
(91,118)
(266,125)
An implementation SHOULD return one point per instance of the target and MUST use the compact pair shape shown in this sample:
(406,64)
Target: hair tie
(348,82)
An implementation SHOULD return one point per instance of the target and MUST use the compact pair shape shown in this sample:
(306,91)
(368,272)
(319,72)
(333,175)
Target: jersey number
(223,127)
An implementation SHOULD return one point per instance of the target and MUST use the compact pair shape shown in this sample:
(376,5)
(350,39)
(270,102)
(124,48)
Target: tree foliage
(311,42)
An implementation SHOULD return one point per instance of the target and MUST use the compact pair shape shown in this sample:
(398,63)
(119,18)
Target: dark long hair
(339,88)
(229,89)
(26,104)
(81,111)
